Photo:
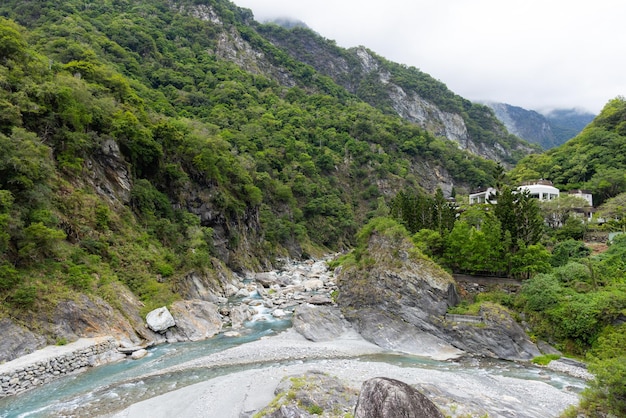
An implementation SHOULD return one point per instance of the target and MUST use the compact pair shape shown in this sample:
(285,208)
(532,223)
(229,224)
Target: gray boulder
(195,320)
(319,323)
(160,319)
(389,398)
(311,394)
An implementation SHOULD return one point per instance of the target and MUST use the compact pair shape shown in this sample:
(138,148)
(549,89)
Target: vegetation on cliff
(133,151)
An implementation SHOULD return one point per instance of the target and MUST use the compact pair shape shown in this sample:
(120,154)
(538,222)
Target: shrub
(565,251)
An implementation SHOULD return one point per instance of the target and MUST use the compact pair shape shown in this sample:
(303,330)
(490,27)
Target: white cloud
(531,53)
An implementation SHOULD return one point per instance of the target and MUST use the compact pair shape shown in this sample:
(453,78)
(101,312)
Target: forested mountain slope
(150,143)
(405,91)
(593,160)
(549,130)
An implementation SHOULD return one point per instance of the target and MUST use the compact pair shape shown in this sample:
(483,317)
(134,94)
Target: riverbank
(53,362)
(455,389)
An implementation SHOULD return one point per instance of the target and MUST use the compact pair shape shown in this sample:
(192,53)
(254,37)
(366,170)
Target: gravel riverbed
(458,391)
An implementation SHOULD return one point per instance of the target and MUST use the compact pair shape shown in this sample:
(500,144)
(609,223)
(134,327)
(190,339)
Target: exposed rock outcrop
(109,173)
(195,320)
(399,300)
(389,398)
(17,341)
(497,336)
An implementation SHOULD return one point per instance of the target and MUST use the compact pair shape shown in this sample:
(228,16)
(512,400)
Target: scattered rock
(279,313)
(160,319)
(389,398)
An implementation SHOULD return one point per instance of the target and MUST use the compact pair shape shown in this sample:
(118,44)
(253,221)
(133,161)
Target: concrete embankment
(47,364)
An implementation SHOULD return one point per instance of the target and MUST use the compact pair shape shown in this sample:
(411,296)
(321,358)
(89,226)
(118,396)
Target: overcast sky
(536,54)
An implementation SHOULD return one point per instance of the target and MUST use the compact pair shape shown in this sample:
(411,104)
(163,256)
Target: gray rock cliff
(398,299)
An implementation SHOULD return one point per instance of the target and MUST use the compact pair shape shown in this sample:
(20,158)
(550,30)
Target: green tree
(474,245)
(567,250)
(613,211)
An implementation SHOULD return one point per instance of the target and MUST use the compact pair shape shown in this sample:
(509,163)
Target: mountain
(595,159)
(405,91)
(567,123)
(547,130)
(159,146)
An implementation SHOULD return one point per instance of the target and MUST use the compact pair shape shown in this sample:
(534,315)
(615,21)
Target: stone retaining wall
(52,362)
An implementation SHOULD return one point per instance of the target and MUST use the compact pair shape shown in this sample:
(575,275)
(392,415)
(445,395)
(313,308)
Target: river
(109,388)
(267,344)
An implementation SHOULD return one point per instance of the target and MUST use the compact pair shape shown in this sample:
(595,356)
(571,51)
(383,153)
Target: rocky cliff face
(549,130)
(526,124)
(368,76)
(398,300)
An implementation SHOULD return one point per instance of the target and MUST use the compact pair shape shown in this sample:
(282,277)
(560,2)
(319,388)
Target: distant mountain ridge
(548,130)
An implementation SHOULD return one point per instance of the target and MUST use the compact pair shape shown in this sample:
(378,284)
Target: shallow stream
(109,388)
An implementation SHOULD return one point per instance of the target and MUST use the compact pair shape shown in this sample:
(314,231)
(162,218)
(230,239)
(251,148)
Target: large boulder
(160,319)
(88,317)
(195,320)
(319,323)
(309,395)
(389,398)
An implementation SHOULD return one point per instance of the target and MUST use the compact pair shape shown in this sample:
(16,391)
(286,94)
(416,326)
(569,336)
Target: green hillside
(593,160)
(133,152)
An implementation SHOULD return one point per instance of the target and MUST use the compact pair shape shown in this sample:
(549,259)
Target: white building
(583,194)
(540,189)
(487,195)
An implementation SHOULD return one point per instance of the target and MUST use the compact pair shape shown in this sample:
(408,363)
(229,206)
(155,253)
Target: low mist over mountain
(548,130)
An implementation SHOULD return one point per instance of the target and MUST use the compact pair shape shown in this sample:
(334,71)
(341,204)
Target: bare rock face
(195,320)
(17,341)
(160,319)
(319,323)
(497,336)
(110,174)
(389,398)
(400,300)
(88,317)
